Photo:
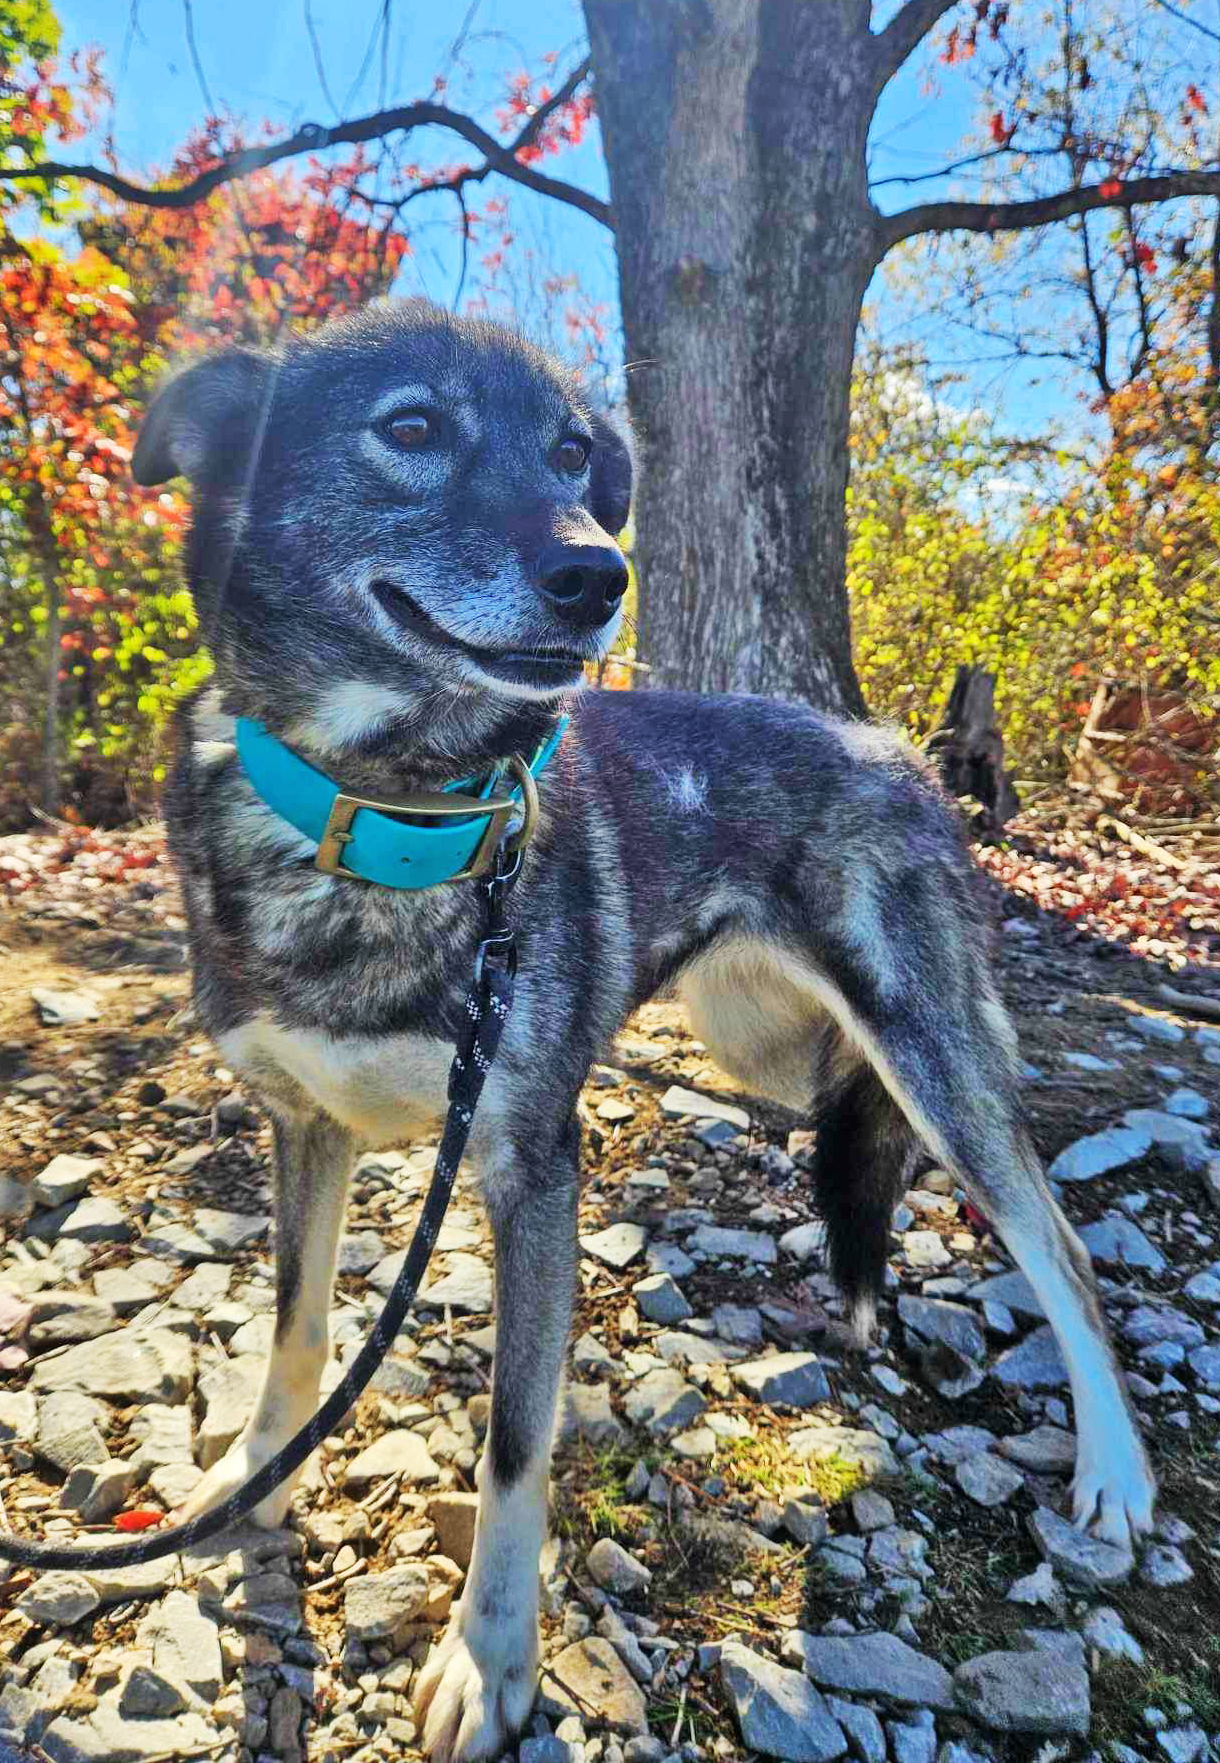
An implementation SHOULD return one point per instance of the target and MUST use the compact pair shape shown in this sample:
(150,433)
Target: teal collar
(424,839)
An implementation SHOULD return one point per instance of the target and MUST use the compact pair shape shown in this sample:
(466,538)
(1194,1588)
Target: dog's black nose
(584,583)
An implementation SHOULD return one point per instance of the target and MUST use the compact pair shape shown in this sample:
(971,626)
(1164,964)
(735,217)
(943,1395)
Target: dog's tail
(864,1154)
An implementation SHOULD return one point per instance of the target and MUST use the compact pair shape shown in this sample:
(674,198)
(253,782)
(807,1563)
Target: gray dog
(401,556)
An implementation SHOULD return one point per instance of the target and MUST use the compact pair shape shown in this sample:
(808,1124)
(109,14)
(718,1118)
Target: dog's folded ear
(204,421)
(609,477)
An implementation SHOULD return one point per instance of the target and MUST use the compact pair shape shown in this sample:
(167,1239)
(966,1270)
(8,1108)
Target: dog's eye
(411,429)
(572,455)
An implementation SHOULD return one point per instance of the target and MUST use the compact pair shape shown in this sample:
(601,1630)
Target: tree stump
(969,749)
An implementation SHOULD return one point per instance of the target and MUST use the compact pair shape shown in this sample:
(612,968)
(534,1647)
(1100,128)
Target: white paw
(477,1689)
(243,1459)
(1115,1502)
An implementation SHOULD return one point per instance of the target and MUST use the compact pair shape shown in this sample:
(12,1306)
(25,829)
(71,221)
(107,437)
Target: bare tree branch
(1016,217)
(312,137)
(1185,18)
(905,32)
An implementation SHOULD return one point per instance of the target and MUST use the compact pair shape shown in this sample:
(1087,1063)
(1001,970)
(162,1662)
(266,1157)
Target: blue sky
(258,62)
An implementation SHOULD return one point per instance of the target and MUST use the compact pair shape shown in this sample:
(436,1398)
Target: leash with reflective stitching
(486,1009)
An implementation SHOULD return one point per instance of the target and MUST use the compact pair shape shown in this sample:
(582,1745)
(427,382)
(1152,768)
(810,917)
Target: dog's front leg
(313,1159)
(477,1688)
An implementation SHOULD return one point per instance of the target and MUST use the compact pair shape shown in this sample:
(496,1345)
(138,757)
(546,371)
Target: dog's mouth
(555,667)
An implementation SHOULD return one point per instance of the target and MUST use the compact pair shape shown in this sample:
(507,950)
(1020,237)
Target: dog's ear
(609,477)
(204,421)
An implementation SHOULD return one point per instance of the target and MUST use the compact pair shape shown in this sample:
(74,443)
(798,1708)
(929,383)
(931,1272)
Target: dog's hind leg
(313,1159)
(478,1686)
(937,1038)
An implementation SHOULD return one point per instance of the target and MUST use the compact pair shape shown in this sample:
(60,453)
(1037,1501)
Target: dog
(402,555)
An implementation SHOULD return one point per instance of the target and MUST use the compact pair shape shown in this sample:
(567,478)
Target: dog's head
(402,504)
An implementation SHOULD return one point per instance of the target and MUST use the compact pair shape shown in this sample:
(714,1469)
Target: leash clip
(499,945)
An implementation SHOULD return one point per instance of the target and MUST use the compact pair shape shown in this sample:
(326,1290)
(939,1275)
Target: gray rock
(1090,1062)
(1046,1450)
(394,1453)
(1064,1643)
(108,1736)
(663,1402)
(58,1009)
(987,1480)
(739,1323)
(227,1232)
(688,1349)
(677,1103)
(1204,1287)
(97,1490)
(65,1178)
(615,1570)
(1036,1364)
(952,1325)
(779,1712)
(1082,1559)
(660,1299)
(1025,1692)
(359,1251)
(465,1286)
(958,1442)
(716,1243)
(59,1318)
(149,1692)
(669,1258)
(185,1644)
(618,1245)
(865,1735)
(115,1585)
(795,1379)
(923,1248)
(549,1750)
(1189,1104)
(228,1392)
(1205,1363)
(1115,1241)
(56,1600)
(1182,1143)
(1103,1628)
(871,1510)
(377,1605)
(1182,1744)
(1155,1028)
(1038,1587)
(804,1522)
(1149,1324)
(878,1665)
(1164,1565)
(806,1242)
(587,1414)
(845,1568)
(697,1443)
(1012,1290)
(1101,1153)
(71,1447)
(18,1415)
(96,1220)
(157,1367)
(865,1451)
(588,1678)
(19,1710)
(912,1742)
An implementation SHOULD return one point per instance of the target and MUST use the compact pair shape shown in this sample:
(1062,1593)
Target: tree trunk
(735,136)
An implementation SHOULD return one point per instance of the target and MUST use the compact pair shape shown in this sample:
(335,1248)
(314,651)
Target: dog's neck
(385,756)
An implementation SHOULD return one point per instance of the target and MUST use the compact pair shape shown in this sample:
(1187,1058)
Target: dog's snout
(583,583)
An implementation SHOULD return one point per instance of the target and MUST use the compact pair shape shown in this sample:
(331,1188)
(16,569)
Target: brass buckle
(441,805)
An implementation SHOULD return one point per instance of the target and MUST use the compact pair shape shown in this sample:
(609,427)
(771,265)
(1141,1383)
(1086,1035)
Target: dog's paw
(242,1460)
(1114,1501)
(477,1688)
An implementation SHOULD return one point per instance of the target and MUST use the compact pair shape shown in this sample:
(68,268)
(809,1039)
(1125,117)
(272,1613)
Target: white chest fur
(385,1088)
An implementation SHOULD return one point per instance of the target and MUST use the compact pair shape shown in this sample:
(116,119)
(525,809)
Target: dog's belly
(385,1088)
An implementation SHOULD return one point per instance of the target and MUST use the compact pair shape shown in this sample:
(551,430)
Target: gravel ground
(765,1543)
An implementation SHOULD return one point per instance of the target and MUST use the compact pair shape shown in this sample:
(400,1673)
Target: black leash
(488,1003)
